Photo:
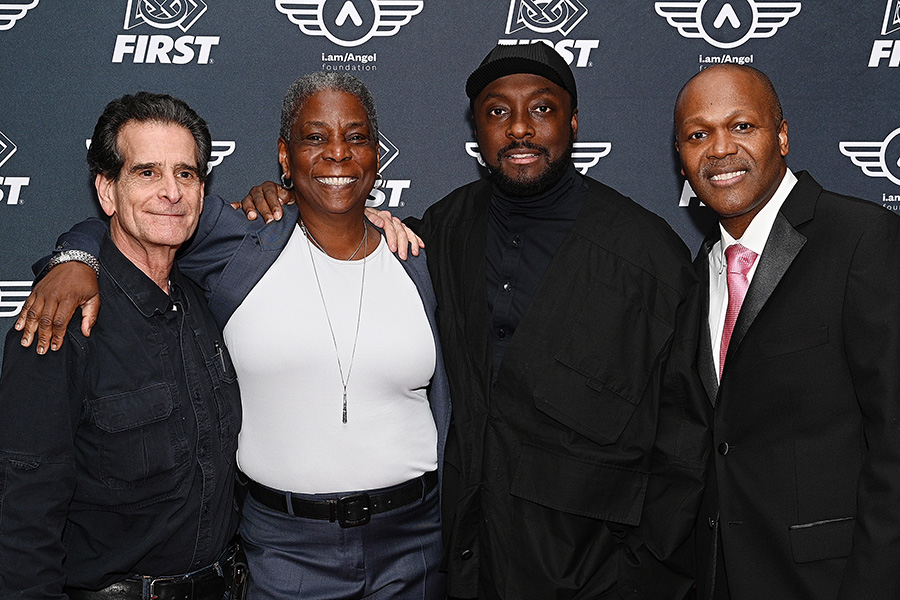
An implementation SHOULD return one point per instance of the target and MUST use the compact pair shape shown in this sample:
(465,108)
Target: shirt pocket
(223,379)
(134,439)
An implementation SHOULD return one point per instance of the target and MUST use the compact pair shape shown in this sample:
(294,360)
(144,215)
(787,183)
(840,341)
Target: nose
(520,125)
(171,188)
(721,144)
(337,149)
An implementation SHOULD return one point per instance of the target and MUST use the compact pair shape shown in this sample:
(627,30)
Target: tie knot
(740,259)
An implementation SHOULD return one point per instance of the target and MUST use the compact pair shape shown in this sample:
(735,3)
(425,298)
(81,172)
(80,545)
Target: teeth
(521,155)
(725,176)
(336,180)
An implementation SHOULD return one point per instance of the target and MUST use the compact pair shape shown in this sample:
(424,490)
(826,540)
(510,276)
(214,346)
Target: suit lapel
(781,248)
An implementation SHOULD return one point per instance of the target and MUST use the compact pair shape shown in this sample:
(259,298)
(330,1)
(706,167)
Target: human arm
(37,473)
(871,318)
(265,200)
(659,558)
(59,291)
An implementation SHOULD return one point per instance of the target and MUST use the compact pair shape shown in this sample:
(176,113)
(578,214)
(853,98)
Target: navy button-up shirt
(117,452)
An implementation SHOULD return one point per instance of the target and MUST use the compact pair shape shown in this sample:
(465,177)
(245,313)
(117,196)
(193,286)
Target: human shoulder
(832,210)
(627,227)
(462,204)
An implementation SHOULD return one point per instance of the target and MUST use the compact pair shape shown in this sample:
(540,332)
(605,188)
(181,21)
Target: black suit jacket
(582,467)
(805,489)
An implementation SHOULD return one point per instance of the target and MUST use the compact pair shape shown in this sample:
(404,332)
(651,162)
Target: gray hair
(308,85)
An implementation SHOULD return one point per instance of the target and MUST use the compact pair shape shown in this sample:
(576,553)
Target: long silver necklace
(364,243)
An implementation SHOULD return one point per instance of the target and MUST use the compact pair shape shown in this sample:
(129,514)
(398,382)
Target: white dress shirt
(754,238)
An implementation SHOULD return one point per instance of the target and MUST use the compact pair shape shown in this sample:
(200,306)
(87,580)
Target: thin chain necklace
(363,243)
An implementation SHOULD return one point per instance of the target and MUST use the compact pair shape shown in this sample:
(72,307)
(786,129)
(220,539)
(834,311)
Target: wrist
(71,255)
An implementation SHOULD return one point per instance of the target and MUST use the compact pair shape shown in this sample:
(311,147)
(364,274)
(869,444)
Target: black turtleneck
(523,235)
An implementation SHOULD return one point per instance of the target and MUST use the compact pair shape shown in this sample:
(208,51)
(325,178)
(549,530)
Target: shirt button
(465,554)
(516,241)
(501,333)
(724,448)
(506,287)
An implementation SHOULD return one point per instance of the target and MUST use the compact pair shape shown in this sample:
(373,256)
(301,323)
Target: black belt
(206,584)
(350,510)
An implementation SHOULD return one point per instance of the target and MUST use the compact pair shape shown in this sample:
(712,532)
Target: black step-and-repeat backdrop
(835,63)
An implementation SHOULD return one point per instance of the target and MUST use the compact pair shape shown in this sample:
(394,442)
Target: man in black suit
(800,356)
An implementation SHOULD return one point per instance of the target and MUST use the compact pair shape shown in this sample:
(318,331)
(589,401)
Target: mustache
(734,164)
(522,145)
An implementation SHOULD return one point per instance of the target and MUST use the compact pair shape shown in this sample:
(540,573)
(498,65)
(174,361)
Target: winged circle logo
(878,159)
(584,154)
(350,23)
(11,12)
(12,297)
(727,24)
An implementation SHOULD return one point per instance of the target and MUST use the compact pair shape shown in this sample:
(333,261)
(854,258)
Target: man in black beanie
(568,318)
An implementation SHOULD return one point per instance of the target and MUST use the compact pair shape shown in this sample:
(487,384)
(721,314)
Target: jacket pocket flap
(796,342)
(128,410)
(585,406)
(822,539)
(579,487)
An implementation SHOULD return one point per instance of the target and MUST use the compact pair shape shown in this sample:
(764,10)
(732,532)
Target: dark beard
(532,187)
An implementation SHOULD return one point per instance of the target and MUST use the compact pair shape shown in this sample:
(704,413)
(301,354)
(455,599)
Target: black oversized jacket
(582,469)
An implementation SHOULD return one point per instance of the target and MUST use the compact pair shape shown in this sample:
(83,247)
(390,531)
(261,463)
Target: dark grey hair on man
(104,157)
(301,90)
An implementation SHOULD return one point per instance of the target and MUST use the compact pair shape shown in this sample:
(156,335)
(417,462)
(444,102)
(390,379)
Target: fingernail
(54,347)
(41,350)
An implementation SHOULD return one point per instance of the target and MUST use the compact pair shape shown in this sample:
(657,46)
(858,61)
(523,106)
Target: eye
(542,109)
(314,137)
(497,112)
(743,127)
(185,175)
(146,173)
(358,138)
(697,135)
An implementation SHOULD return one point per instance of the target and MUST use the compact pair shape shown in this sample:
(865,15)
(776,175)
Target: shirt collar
(757,233)
(147,297)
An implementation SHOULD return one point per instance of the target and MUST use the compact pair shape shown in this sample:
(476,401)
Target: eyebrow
(155,165)
(327,125)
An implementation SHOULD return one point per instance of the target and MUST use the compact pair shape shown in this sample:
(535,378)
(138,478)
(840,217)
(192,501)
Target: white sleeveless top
(293,437)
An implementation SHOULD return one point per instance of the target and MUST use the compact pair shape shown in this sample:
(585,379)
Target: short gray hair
(308,85)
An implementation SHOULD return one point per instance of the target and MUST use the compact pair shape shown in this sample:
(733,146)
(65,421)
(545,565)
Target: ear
(575,124)
(678,151)
(783,137)
(283,159)
(106,193)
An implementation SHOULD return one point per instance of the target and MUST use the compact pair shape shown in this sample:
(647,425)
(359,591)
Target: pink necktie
(740,261)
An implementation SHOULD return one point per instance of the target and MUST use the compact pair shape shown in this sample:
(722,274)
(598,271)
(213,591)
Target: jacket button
(723,448)
(712,523)
(465,554)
